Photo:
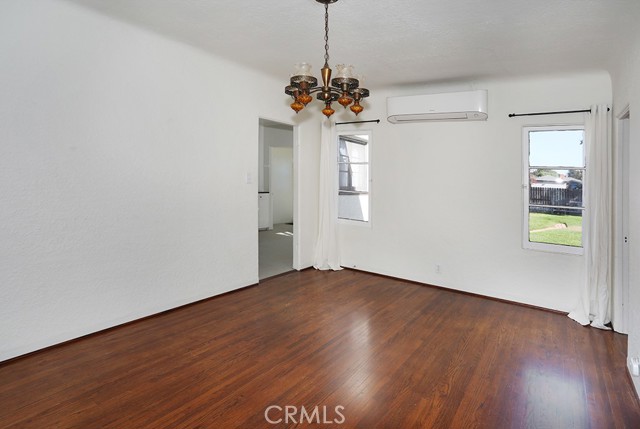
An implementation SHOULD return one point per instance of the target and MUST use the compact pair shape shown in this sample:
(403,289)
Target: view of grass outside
(555,229)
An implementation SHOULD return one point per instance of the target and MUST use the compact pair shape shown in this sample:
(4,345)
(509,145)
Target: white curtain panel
(327,256)
(593,304)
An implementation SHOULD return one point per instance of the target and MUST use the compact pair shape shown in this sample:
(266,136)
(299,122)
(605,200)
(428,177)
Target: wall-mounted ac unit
(452,106)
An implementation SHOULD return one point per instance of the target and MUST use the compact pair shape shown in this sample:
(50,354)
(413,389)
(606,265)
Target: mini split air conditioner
(452,106)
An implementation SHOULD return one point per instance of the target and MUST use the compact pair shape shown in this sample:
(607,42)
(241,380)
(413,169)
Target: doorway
(276,198)
(620,313)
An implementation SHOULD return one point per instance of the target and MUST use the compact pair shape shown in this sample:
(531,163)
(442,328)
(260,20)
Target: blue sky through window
(561,148)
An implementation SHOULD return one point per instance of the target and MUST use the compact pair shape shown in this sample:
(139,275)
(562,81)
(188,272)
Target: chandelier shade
(344,88)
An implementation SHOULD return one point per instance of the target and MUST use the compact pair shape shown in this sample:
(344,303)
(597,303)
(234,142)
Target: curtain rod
(377,121)
(511,115)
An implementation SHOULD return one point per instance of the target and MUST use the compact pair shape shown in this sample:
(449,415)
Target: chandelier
(344,88)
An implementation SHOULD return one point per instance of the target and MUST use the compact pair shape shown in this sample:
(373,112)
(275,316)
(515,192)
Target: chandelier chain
(326,33)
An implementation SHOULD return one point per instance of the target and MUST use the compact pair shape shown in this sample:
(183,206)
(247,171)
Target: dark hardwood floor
(372,351)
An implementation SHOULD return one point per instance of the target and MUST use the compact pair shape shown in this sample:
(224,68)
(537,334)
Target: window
(353,176)
(554,173)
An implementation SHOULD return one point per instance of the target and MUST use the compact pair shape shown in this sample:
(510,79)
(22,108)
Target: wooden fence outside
(555,197)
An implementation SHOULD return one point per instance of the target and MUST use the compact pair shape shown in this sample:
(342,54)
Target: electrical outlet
(438,269)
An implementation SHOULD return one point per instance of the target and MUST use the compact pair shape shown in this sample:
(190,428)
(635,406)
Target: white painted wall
(271,136)
(281,183)
(123,166)
(429,194)
(123,173)
(626,92)
(278,138)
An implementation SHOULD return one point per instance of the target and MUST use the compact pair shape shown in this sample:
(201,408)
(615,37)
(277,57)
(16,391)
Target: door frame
(296,200)
(620,292)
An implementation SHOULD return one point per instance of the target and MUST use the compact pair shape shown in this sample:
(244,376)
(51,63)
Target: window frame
(526,167)
(351,132)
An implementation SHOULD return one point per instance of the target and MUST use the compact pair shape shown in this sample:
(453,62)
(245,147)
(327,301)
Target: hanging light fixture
(344,88)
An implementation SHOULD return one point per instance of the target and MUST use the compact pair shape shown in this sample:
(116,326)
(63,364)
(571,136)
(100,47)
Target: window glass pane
(556,187)
(553,227)
(354,177)
(353,206)
(354,148)
(560,148)
(357,152)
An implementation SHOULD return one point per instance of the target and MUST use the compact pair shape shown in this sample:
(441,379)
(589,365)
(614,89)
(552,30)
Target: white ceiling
(396,42)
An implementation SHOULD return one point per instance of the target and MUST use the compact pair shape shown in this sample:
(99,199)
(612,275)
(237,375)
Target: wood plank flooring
(355,350)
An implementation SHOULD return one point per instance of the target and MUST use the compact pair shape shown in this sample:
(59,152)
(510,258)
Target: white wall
(123,173)
(626,92)
(429,194)
(123,166)
(281,183)
(277,138)
(271,136)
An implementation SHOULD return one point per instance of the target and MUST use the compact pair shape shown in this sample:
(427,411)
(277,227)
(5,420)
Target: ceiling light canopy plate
(326,1)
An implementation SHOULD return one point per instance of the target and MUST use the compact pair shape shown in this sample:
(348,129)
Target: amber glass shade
(304,98)
(345,100)
(328,111)
(357,108)
(297,106)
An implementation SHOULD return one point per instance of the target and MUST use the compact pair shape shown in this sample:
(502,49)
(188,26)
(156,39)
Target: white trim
(620,292)
(624,113)
(297,251)
(551,248)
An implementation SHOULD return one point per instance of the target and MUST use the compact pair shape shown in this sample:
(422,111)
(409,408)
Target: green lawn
(569,236)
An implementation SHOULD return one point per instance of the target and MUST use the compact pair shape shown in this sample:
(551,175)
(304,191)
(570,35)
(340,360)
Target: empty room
(319,214)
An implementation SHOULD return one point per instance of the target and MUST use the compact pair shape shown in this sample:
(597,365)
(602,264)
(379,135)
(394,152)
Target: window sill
(553,248)
(353,222)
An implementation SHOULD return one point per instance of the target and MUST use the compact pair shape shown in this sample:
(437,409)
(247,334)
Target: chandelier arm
(329,89)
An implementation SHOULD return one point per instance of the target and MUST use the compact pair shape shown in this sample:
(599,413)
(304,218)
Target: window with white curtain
(353,176)
(555,168)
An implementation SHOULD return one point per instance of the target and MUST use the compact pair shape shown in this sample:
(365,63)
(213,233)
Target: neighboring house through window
(353,176)
(554,173)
